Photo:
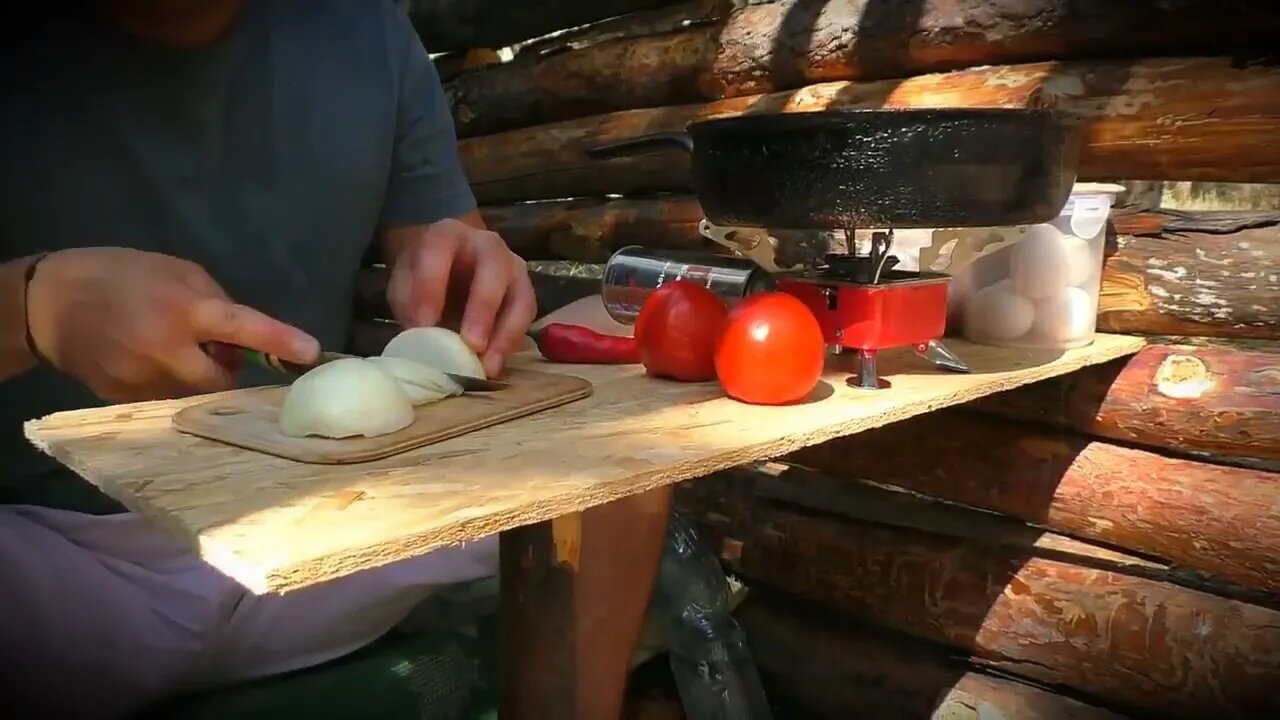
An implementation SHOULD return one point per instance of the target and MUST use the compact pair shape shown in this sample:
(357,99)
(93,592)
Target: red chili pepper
(564,343)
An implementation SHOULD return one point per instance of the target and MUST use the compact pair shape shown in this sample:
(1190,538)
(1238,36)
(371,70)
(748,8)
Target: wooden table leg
(574,595)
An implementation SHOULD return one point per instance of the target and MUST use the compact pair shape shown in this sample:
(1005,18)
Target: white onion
(423,384)
(345,398)
(436,347)
(419,395)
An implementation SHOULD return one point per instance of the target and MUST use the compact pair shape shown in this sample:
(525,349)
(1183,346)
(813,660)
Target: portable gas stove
(862,303)
(762,178)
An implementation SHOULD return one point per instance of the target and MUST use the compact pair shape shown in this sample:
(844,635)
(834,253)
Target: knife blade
(271,362)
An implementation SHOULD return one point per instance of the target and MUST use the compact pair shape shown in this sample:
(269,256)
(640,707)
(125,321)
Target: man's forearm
(15,359)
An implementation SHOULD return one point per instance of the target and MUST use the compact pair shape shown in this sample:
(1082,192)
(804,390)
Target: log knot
(1183,377)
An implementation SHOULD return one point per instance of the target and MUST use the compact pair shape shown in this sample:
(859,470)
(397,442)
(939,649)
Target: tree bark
(1219,400)
(1137,645)
(1156,119)
(447,25)
(1221,521)
(830,668)
(766,47)
(1191,278)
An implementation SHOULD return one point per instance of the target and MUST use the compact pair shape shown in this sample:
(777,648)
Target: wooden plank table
(276,525)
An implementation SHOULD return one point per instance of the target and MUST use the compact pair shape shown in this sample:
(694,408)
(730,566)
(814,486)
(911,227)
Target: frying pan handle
(644,143)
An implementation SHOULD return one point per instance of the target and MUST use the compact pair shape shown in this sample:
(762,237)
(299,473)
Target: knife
(230,354)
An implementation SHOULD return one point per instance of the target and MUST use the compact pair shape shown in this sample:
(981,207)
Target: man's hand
(128,324)
(452,274)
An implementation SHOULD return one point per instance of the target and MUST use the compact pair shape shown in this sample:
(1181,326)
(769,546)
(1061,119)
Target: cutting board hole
(225,411)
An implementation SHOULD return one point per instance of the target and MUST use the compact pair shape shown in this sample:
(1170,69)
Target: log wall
(1096,546)
(771,46)
(1120,630)
(1190,118)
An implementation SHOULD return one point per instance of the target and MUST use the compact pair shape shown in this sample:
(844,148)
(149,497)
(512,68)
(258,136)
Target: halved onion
(436,347)
(421,383)
(345,398)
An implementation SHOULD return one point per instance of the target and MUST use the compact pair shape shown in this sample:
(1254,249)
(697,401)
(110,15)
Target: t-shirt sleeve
(427,183)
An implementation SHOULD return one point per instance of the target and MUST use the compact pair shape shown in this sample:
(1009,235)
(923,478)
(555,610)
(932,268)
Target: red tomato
(771,351)
(677,330)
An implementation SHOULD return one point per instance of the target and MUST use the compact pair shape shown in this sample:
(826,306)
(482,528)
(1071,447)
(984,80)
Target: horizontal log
(1137,645)
(589,231)
(1197,119)
(447,25)
(830,668)
(1221,401)
(371,330)
(1167,272)
(1188,281)
(1220,521)
(868,501)
(767,47)
(659,20)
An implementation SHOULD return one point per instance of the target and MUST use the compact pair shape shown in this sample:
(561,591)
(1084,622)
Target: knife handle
(233,357)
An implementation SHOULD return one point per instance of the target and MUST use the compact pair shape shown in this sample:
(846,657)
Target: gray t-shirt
(270,158)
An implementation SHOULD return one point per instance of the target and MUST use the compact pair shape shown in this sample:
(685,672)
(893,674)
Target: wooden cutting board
(250,419)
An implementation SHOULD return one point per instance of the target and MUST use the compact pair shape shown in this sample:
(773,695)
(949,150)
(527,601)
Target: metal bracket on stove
(753,243)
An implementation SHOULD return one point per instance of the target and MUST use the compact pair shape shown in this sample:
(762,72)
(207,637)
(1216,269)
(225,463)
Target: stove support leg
(867,375)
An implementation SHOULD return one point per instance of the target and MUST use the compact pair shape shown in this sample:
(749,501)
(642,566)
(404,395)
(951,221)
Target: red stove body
(903,309)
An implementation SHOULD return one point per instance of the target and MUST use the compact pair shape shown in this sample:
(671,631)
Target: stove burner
(853,268)
(865,269)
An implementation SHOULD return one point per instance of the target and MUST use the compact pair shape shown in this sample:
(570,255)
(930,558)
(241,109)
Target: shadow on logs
(1185,118)
(784,45)
(1217,521)
(819,665)
(1096,624)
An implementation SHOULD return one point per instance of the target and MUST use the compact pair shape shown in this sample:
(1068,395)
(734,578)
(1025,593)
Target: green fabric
(432,676)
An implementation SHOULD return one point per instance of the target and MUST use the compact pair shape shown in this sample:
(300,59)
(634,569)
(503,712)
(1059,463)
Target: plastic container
(1031,286)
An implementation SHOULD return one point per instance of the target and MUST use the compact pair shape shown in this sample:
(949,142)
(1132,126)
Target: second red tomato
(771,351)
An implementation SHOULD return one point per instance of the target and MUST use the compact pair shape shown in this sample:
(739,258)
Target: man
(184,171)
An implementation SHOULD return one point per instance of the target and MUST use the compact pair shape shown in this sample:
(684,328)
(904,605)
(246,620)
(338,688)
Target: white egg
(1040,266)
(1065,318)
(1081,260)
(997,313)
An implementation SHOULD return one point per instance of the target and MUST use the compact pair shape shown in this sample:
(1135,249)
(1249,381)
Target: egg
(997,313)
(1065,318)
(1040,266)
(1083,264)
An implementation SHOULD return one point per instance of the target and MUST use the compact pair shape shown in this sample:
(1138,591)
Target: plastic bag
(713,667)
